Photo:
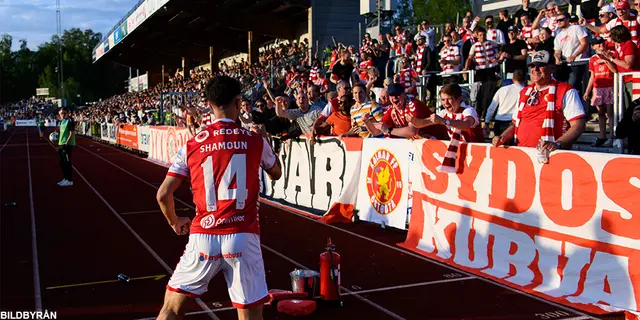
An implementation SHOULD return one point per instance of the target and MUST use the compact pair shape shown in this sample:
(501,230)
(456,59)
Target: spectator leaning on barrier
(305,115)
(461,120)
(361,108)
(338,123)
(504,105)
(601,84)
(394,122)
(542,109)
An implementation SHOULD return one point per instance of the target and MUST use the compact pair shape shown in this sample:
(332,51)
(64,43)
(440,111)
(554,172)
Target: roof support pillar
(252,49)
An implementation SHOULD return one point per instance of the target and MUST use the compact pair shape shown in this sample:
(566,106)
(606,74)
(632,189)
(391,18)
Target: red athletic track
(81,238)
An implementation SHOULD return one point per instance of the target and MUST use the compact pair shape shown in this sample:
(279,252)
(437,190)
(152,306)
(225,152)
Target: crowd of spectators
(26,110)
(371,90)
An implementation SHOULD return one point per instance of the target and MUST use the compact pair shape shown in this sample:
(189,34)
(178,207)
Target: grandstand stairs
(589,136)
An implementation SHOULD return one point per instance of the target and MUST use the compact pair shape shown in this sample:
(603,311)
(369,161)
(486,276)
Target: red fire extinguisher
(330,274)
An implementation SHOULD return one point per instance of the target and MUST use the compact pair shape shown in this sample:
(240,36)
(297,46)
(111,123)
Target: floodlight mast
(60,57)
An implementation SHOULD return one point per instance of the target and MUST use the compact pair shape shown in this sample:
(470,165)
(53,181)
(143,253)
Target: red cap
(622,5)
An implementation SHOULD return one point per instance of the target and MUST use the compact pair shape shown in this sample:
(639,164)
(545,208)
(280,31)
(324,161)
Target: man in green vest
(66,141)
(40,124)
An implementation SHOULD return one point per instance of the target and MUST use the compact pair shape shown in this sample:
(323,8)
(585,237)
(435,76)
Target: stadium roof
(157,32)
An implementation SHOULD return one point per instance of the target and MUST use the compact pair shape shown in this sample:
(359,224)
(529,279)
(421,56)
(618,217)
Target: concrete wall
(338,18)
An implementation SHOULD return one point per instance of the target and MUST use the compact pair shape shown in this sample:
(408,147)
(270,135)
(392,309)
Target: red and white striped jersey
(419,56)
(207,119)
(406,80)
(484,54)
(223,164)
(550,23)
(364,68)
(495,35)
(631,24)
(450,53)
(313,74)
(529,32)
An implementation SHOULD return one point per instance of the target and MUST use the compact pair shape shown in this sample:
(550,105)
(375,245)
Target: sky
(35,20)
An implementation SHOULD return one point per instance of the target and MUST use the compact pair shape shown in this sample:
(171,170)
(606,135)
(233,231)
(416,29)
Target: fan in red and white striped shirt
(484,52)
(449,56)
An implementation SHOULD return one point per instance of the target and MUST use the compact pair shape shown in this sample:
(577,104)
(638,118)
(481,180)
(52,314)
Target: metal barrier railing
(470,81)
(619,104)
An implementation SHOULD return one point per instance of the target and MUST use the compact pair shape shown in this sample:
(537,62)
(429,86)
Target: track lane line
(34,245)
(5,143)
(139,238)
(346,294)
(363,299)
(402,250)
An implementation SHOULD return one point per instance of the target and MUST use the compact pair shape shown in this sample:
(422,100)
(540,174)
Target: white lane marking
(5,143)
(359,297)
(144,244)
(402,250)
(349,294)
(34,245)
(373,304)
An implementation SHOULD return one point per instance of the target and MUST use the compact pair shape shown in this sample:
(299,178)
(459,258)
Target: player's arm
(269,162)
(72,130)
(165,199)
(179,171)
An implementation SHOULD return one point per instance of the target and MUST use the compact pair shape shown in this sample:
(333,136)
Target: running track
(108,223)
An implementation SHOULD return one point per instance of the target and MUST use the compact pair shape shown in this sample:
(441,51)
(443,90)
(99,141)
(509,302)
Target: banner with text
(128,136)
(108,132)
(165,142)
(384,180)
(144,138)
(566,231)
(321,178)
(25,123)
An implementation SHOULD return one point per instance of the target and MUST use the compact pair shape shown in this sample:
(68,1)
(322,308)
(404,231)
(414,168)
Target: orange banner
(127,136)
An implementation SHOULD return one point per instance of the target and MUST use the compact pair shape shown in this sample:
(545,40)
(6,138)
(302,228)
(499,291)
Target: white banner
(25,123)
(165,142)
(144,138)
(316,176)
(566,231)
(108,132)
(383,193)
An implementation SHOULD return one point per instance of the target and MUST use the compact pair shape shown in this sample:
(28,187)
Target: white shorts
(237,255)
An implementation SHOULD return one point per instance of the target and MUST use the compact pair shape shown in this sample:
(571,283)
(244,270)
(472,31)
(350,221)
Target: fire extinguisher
(330,274)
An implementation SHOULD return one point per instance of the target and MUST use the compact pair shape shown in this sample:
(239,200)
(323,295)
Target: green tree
(411,12)
(22,71)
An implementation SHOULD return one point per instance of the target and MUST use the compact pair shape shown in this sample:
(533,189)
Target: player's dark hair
(222,90)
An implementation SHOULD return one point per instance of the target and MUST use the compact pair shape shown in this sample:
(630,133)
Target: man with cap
(542,109)
(514,53)
(625,18)
(394,122)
